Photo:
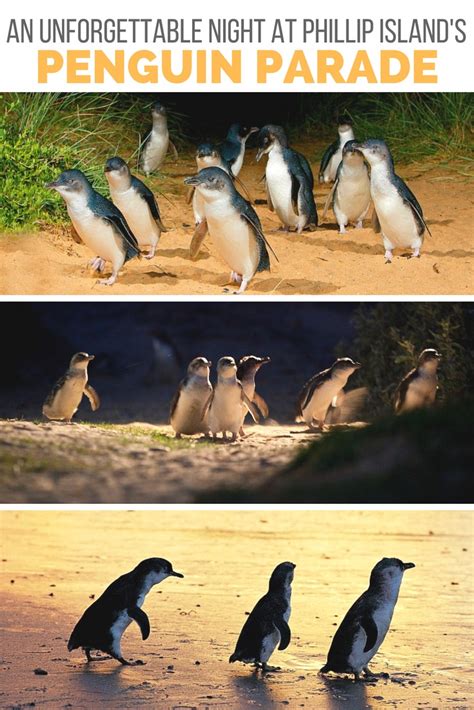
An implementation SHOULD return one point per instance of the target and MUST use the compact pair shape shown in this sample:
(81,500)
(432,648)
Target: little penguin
(418,388)
(224,406)
(103,623)
(322,390)
(98,222)
(157,142)
(398,213)
(289,181)
(232,150)
(189,402)
(137,204)
(233,225)
(247,369)
(207,156)
(64,399)
(267,626)
(364,627)
(350,195)
(332,156)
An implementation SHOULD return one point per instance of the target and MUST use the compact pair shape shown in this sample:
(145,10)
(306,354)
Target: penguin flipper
(308,389)
(261,404)
(172,147)
(190,195)
(402,389)
(330,198)
(410,199)
(92,396)
(56,387)
(174,401)
(251,216)
(207,406)
(250,406)
(371,630)
(241,184)
(327,155)
(285,634)
(147,195)
(198,238)
(118,222)
(142,620)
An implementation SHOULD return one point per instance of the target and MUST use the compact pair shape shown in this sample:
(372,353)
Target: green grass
(130,433)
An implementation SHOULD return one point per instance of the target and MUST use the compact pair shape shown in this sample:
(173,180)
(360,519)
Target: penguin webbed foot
(388,256)
(97,264)
(269,669)
(108,282)
(370,675)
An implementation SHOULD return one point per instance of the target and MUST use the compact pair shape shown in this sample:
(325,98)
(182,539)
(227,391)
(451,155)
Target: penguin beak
(254,129)
(91,357)
(176,574)
(358,365)
(193,180)
(51,185)
(266,359)
(408,565)
(260,152)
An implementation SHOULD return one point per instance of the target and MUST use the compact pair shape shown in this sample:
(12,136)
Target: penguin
(64,399)
(418,388)
(289,181)
(398,213)
(322,390)
(157,142)
(233,225)
(98,222)
(189,402)
(350,195)
(103,623)
(136,202)
(247,368)
(232,150)
(332,156)
(267,626)
(207,156)
(364,627)
(224,406)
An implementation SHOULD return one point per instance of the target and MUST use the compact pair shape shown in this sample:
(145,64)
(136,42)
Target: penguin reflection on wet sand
(247,369)
(289,181)
(350,195)
(136,202)
(398,214)
(187,412)
(232,150)
(267,626)
(322,390)
(157,142)
(233,225)
(64,399)
(332,156)
(102,625)
(364,627)
(225,405)
(418,388)
(98,222)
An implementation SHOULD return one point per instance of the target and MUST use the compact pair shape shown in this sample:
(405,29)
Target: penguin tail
(325,669)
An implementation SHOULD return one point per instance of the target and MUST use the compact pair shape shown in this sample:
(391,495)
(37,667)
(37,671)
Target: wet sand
(318,263)
(54,561)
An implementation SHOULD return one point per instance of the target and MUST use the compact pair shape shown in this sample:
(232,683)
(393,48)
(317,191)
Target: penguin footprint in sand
(364,627)
(102,625)
(267,626)
(64,399)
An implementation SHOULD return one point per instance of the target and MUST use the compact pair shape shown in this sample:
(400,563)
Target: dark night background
(299,337)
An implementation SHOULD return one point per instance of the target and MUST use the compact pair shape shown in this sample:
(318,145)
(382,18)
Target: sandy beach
(53,562)
(317,263)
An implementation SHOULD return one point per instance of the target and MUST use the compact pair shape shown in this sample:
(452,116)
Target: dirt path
(134,463)
(316,263)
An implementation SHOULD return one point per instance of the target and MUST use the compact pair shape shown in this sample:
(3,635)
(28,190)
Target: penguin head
(375,151)
(156,569)
(252,363)
(350,152)
(269,136)
(346,365)
(241,133)
(226,366)
(429,359)
(117,171)
(69,183)
(158,110)
(388,572)
(200,366)
(207,155)
(282,575)
(344,124)
(81,360)
(211,182)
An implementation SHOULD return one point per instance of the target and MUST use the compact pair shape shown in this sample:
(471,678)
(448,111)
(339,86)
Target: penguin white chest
(187,417)
(237,166)
(67,399)
(331,170)
(279,186)
(225,413)
(155,150)
(352,195)
(233,237)
(138,216)
(322,397)
(421,391)
(96,233)
(395,216)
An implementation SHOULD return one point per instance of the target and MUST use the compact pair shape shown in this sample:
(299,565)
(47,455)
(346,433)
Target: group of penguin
(198,407)
(116,231)
(355,643)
